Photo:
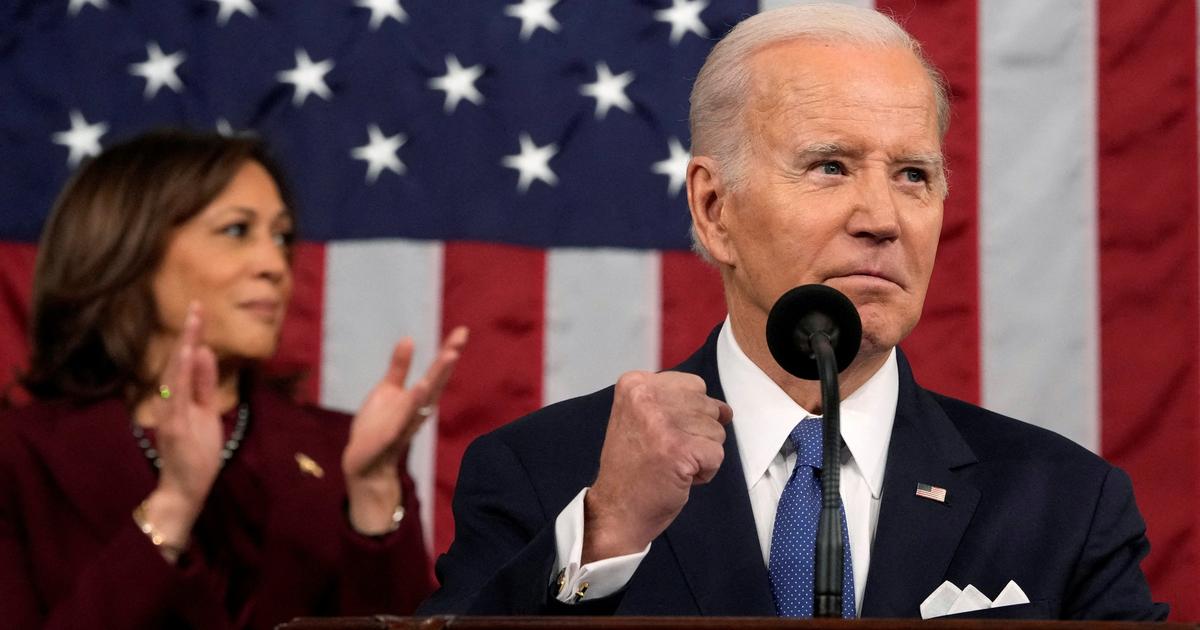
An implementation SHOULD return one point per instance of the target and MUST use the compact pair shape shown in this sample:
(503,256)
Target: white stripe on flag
(602,318)
(1038,216)
(376,293)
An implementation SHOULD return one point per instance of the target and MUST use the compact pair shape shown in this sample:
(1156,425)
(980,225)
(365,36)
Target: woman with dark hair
(157,481)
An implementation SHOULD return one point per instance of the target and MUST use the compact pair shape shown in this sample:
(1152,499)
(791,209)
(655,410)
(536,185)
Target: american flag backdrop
(515,166)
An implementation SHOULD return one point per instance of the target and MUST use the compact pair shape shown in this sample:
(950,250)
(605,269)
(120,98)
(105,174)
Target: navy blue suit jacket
(1022,504)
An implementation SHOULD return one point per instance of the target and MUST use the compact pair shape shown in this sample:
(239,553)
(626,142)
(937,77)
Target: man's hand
(664,436)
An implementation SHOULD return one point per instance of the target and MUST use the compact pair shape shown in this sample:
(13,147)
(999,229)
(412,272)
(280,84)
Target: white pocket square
(948,599)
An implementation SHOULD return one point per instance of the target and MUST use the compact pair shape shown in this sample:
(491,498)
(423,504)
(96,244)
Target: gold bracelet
(155,536)
(397,517)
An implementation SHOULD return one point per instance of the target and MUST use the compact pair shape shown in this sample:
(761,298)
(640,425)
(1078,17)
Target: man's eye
(915,175)
(832,168)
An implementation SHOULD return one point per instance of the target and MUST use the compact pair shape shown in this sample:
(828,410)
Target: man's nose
(876,214)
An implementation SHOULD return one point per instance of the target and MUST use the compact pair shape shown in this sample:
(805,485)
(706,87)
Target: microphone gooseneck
(814,332)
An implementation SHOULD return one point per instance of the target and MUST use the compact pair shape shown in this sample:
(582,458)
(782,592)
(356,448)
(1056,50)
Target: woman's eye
(236,230)
(832,168)
(284,239)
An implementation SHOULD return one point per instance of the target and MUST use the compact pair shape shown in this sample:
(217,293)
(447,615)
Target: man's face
(843,184)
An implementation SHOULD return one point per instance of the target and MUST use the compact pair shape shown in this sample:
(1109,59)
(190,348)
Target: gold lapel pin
(309,466)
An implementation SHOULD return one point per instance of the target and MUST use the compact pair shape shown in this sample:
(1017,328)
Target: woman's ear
(710,203)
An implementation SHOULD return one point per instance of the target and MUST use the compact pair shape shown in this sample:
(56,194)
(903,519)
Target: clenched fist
(664,436)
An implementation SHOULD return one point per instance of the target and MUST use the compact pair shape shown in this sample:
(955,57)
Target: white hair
(719,93)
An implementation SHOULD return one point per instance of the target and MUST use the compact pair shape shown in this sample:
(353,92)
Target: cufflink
(561,583)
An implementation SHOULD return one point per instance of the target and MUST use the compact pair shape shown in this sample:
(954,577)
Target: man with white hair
(817,134)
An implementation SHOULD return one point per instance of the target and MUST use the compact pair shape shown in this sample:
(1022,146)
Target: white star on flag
(609,90)
(308,77)
(226,129)
(674,167)
(458,83)
(159,70)
(382,10)
(380,153)
(229,7)
(684,16)
(533,162)
(534,14)
(77,5)
(82,138)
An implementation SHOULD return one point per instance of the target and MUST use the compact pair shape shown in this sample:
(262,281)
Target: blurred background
(516,166)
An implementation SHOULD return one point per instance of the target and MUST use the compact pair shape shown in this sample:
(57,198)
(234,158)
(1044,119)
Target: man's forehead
(799,70)
(827,87)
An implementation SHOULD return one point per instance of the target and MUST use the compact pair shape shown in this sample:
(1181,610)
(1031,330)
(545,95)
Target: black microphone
(814,332)
(806,310)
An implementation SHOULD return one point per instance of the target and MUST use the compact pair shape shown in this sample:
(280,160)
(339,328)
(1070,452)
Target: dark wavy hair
(93,307)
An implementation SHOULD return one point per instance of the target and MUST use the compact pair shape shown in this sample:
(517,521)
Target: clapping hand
(187,422)
(383,428)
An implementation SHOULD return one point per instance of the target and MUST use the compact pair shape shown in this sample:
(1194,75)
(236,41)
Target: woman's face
(232,258)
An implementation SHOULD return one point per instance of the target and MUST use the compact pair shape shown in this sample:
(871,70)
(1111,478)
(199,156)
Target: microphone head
(803,311)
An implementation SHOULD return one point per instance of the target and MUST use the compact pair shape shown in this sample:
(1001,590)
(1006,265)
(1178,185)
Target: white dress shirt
(763,418)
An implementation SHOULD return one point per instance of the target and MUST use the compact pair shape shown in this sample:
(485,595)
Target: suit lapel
(714,538)
(91,454)
(297,434)
(916,538)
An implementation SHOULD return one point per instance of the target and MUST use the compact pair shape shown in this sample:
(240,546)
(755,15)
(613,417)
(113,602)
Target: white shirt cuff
(593,580)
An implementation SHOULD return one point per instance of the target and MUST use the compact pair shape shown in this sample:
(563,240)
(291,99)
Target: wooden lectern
(704,623)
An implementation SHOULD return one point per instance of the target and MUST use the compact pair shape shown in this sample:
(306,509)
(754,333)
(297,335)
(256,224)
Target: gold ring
(425,411)
(164,392)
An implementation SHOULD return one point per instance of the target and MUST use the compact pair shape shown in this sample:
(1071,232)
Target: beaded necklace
(227,450)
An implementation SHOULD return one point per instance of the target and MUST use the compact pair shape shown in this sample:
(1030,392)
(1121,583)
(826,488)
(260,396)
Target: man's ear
(710,202)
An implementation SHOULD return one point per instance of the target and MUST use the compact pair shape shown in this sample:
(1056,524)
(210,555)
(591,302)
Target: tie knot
(806,439)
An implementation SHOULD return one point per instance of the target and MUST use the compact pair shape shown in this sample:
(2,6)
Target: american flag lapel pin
(933,493)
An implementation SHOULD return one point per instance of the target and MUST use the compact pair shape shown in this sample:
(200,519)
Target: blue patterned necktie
(794,540)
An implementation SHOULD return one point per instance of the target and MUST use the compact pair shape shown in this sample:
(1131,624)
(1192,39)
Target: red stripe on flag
(16,293)
(692,303)
(499,292)
(944,348)
(300,340)
(1149,295)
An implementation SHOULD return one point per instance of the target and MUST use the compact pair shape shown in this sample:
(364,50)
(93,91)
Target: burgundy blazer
(272,542)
